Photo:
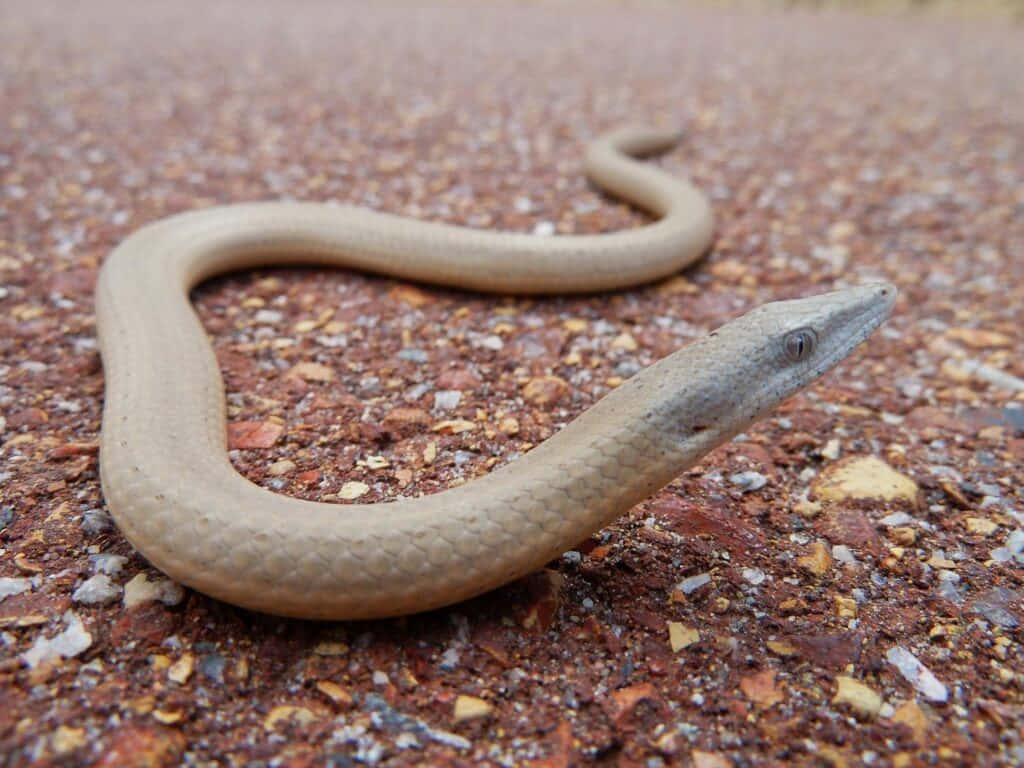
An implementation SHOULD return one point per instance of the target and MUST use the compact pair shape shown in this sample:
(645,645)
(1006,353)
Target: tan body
(176,497)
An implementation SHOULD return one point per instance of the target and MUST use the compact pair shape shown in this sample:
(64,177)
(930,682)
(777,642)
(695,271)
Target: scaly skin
(174,494)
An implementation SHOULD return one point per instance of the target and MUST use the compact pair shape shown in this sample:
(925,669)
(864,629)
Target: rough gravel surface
(842,585)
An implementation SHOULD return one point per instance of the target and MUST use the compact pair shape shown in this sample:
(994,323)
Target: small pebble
(180,671)
(268,317)
(844,554)
(13,586)
(96,590)
(864,477)
(140,590)
(896,518)
(212,667)
(73,640)
(860,697)
(353,490)
(108,564)
(413,355)
(691,584)
(748,481)
(447,399)
(470,708)
(999,606)
(492,342)
(282,467)
(96,521)
(917,674)
(681,636)
(754,575)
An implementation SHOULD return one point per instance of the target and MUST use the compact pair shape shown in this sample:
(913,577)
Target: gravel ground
(840,586)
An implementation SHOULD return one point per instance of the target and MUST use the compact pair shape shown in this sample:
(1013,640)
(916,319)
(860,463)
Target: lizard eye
(800,344)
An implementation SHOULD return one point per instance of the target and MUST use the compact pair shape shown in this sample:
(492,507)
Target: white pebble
(108,564)
(140,590)
(268,317)
(844,554)
(491,342)
(897,518)
(748,481)
(450,659)
(693,583)
(1001,555)
(754,575)
(9,586)
(917,674)
(71,642)
(1015,541)
(446,399)
(96,590)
